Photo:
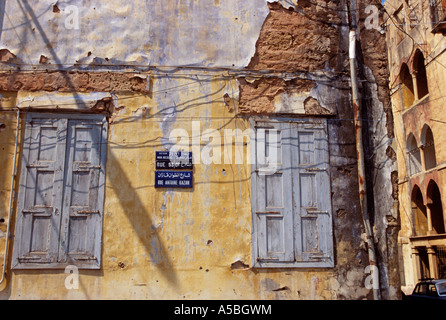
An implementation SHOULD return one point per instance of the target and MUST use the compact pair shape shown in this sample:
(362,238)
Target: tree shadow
(121,183)
(140,218)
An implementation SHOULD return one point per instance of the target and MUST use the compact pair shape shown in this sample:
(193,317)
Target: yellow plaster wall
(172,243)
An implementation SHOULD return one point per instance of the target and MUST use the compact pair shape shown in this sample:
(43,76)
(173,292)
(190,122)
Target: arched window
(419,212)
(406,86)
(435,207)
(428,146)
(413,155)
(420,74)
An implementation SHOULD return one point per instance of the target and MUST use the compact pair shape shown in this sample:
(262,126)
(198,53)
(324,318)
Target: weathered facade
(259,92)
(416,61)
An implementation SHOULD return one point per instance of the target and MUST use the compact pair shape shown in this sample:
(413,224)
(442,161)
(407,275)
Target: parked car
(429,289)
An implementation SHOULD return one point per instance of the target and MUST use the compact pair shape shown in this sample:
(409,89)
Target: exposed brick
(291,41)
(259,96)
(72,81)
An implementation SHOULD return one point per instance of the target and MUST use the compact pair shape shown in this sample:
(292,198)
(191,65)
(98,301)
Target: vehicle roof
(432,281)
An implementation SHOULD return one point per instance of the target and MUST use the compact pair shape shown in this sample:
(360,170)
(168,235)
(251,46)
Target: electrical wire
(255,73)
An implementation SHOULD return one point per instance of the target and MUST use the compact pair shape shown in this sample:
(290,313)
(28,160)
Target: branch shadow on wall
(121,183)
(139,217)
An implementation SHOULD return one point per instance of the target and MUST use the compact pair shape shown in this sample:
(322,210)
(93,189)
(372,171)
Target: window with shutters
(291,199)
(61,193)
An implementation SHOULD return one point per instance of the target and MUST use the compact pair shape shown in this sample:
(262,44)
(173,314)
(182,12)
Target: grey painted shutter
(61,196)
(292,220)
(82,212)
(40,195)
(313,218)
(273,201)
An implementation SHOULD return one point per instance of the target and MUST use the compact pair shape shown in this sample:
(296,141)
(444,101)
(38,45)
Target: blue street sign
(173,179)
(173,160)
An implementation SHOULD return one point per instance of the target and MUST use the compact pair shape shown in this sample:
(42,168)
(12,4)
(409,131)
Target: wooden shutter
(82,212)
(40,195)
(312,196)
(292,221)
(273,219)
(59,217)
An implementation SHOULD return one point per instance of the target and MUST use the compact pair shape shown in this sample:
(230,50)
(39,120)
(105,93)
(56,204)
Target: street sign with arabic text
(173,179)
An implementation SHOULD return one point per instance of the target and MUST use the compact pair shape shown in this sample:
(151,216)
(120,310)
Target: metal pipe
(361,166)
(11,197)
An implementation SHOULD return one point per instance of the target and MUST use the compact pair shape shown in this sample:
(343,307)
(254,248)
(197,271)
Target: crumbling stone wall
(305,42)
(299,68)
(64,81)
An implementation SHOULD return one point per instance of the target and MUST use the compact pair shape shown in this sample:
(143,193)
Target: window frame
(55,261)
(301,260)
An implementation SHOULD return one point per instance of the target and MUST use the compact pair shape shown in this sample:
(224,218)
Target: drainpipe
(11,197)
(361,166)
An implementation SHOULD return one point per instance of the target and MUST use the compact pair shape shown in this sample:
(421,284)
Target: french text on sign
(173,160)
(173,179)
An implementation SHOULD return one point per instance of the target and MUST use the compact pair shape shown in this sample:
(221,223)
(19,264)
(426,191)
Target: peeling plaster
(287,4)
(167,107)
(142,111)
(84,101)
(167,33)
(290,102)
(239,265)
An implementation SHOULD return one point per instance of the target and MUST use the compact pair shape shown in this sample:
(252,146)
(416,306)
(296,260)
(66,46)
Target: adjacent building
(416,46)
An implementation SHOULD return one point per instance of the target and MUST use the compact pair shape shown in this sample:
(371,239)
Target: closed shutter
(292,221)
(83,195)
(41,187)
(59,216)
(311,186)
(273,206)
